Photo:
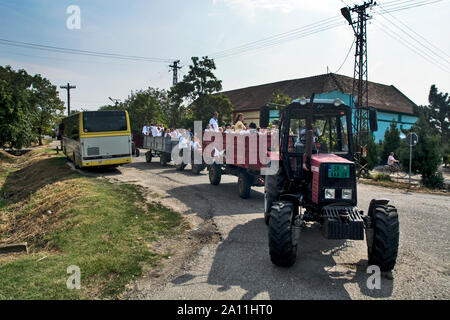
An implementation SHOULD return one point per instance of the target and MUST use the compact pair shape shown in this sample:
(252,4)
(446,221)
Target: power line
(423,52)
(349,50)
(310,29)
(423,38)
(81,52)
(404,42)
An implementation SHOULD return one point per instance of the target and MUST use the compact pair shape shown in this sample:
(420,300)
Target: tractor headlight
(347,194)
(330,193)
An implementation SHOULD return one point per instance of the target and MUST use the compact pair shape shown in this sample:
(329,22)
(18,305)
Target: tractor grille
(342,223)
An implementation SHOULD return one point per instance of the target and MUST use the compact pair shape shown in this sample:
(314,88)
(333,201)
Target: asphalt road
(239,267)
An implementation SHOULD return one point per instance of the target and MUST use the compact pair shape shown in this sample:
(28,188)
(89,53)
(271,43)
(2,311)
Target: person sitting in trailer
(239,125)
(213,123)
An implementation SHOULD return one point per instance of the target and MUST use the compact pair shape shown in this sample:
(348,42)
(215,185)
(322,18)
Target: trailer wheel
(244,184)
(180,167)
(148,156)
(215,174)
(386,233)
(282,251)
(163,159)
(197,168)
(137,153)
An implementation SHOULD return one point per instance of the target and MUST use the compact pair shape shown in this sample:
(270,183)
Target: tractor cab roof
(318,102)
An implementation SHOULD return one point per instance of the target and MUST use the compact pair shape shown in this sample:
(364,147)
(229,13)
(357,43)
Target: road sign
(412,139)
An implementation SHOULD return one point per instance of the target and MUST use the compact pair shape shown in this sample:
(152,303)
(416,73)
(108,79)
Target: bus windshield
(102,121)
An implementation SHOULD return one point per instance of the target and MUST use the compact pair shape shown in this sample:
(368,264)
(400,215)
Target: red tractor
(316,181)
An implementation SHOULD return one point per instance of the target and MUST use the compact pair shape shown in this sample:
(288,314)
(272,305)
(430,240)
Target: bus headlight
(347,194)
(330,193)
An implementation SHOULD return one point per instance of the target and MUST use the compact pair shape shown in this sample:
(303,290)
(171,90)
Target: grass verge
(106,229)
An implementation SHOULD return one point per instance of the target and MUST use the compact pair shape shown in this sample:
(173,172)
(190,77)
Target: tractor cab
(316,148)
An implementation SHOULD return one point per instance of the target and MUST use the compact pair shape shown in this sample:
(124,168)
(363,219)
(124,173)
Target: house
(390,102)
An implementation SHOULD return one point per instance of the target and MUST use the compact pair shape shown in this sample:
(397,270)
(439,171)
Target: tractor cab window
(330,133)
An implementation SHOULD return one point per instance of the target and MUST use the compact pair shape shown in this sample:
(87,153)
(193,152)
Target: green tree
(47,106)
(16,111)
(144,106)
(279,100)
(373,153)
(392,141)
(426,155)
(197,91)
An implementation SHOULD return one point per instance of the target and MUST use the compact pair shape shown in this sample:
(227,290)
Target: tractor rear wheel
(215,174)
(386,231)
(282,251)
(244,184)
(148,156)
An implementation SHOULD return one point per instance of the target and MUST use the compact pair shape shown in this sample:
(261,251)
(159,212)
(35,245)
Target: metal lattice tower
(360,90)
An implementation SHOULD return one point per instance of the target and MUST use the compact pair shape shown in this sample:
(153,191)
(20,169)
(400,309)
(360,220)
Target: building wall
(384,118)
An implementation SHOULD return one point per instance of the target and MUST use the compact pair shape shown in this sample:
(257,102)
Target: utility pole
(360,89)
(175,68)
(68,87)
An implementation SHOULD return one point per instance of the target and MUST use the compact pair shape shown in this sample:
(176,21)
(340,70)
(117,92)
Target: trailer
(245,162)
(163,147)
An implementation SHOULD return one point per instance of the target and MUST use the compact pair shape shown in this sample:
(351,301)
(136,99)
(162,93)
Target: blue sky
(180,29)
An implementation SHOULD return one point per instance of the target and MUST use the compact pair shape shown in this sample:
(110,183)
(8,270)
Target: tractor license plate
(338,171)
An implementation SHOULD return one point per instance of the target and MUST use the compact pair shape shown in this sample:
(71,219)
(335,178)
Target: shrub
(435,181)
(382,177)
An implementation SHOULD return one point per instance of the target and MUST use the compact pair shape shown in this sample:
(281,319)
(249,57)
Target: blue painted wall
(384,118)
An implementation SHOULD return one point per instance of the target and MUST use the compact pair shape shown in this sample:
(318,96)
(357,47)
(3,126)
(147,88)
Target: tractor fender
(374,203)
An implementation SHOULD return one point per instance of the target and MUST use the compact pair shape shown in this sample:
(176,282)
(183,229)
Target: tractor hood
(317,159)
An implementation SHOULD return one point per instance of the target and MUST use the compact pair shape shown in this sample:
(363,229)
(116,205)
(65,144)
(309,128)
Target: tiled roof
(381,96)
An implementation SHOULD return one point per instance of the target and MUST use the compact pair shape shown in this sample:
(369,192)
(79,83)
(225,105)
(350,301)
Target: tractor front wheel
(384,249)
(282,251)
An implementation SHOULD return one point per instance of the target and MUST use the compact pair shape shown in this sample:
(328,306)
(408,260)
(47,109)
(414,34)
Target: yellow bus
(97,138)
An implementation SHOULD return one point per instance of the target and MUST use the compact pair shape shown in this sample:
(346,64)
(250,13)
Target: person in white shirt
(155,130)
(213,123)
(145,130)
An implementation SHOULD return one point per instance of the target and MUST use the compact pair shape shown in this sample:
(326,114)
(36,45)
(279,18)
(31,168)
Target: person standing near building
(213,123)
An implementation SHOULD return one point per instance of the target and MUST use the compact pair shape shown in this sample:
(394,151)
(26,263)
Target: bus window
(102,121)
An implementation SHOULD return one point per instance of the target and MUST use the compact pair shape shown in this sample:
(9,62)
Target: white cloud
(249,9)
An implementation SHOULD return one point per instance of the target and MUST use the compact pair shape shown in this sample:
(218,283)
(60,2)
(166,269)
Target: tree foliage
(392,141)
(197,92)
(279,100)
(29,107)
(144,106)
